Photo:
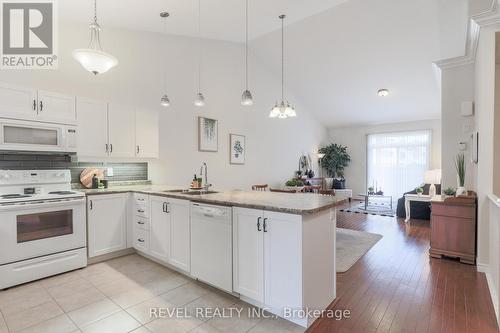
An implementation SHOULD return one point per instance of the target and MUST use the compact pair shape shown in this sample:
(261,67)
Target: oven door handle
(42,204)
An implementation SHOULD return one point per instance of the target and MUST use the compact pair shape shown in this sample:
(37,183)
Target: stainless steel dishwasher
(211,245)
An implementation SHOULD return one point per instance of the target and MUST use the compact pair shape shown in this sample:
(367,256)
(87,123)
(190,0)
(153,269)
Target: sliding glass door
(396,162)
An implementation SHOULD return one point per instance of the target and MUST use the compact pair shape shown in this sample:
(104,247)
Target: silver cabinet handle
(139,222)
(34,104)
(41,106)
(110,147)
(138,150)
(265,225)
(107,148)
(140,211)
(140,240)
(258,224)
(91,205)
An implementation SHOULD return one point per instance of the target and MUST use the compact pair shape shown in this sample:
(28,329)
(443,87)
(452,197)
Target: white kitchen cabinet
(56,107)
(107,223)
(159,240)
(121,124)
(147,134)
(268,257)
(92,127)
(18,102)
(248,253)
(180,247)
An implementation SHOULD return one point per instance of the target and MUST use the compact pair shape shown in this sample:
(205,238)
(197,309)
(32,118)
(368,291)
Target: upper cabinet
(146,133)
(121,124)
(118,131)
(25,103)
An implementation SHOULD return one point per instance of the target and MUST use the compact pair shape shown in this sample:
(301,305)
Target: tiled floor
(116,296)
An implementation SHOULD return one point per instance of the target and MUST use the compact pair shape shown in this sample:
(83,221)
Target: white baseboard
(484,268)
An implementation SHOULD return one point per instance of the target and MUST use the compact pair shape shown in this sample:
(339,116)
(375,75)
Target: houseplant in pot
(336,159)
(461,169)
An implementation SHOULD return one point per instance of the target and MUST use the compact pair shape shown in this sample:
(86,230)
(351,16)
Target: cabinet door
(121,130)
(248,253)
(180,234)
(283,260)
(17,102)
(55,107)
(92,127)
(146,134)
(107,223)
(159,240)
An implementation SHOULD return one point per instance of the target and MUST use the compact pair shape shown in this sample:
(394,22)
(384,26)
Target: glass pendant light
(93,58)
(200,99)
(165,101)
(246,97)
(283,109)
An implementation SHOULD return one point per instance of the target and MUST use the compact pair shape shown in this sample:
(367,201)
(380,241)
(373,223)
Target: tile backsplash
(121,171)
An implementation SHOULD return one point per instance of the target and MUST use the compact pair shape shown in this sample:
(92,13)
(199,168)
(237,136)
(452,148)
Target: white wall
(457,86)
(355,140)
(273,146)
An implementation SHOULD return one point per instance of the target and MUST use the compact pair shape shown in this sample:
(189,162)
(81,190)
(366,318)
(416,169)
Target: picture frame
(208,134)
(237,149)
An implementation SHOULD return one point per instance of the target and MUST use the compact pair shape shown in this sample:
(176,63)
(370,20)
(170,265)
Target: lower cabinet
(267,257)
(165,235)
(107,223)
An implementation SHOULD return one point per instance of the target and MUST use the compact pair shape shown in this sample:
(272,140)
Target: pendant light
(246,97)
(283,109)
(200,99)
(165,101)
(93,58)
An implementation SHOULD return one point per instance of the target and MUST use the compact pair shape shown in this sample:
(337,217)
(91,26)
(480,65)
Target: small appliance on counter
(43,227)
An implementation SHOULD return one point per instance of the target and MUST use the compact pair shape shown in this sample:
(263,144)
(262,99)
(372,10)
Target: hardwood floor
(396,287)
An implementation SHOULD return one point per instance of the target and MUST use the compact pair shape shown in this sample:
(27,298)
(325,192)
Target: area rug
(351,246)
(372,209)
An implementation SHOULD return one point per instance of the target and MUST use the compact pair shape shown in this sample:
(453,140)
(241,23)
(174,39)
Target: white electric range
(42,225)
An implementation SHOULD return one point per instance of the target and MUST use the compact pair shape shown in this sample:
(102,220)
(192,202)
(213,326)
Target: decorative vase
(461,191)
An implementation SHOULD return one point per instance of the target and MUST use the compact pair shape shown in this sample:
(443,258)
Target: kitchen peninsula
(273,250)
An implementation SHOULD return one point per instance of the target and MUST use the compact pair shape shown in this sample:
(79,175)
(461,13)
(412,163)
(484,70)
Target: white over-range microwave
(23,135)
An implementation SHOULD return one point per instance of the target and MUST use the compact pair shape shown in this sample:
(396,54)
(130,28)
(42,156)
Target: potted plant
(450,191)
(419,190)
(461,169)
(335,160)
(371,190)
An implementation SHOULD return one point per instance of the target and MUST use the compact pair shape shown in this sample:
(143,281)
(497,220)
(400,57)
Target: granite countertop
(292,203)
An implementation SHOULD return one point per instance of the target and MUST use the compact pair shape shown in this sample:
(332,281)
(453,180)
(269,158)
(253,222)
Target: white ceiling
(338,52)
(221,19)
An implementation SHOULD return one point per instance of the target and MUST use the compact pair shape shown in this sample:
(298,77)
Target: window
(396,162)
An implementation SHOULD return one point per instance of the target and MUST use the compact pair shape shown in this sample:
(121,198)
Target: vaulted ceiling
(338,52)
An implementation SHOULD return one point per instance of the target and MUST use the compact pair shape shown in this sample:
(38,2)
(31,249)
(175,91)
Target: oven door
(37,229)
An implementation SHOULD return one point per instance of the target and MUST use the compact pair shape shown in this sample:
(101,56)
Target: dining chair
(261,187)
(327,192)
(313,188)
(282,191)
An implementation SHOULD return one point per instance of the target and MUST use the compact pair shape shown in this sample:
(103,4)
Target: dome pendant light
(283,109)
(165,101)
(246,97)
(93,58)
(200,99)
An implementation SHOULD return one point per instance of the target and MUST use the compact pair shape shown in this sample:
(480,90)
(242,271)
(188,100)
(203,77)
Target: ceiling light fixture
(283,109)
(246,97)
(383,92)
(165,101)
(93,58)
(200,99)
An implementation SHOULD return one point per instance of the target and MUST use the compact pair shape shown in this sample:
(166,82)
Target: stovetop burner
(62,192)
(14,196)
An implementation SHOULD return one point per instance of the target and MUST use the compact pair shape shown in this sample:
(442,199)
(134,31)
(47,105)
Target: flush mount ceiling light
(246,97)
(165,101)
(200,99)
(283,109)
(383,92)
(93,58)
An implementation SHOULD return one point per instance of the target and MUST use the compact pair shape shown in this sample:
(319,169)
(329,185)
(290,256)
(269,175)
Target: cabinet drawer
(141,223)
(466,212)
(141,211)
(141,199)
(141,239)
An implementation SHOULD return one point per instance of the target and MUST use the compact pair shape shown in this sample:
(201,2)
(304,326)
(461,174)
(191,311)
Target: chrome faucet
(206,185)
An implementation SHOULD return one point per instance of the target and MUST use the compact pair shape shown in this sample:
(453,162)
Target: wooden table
(414,197)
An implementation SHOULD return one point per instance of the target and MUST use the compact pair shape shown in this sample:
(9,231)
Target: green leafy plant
(294,182)
(461,169)
(419,190)
(450,191)
(336,159)
(371,190)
